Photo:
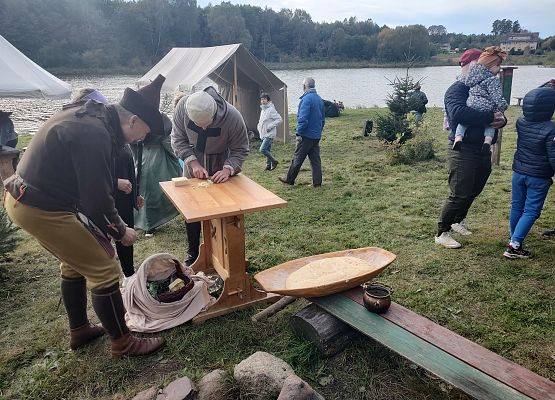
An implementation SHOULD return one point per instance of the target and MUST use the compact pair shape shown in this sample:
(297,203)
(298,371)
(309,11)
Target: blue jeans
(265,148)
(528,196)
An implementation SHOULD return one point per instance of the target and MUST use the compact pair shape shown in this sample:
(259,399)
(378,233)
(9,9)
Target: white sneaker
(461,228)
(446,240)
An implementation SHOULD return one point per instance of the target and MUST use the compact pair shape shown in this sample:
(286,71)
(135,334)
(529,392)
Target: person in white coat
(267,127)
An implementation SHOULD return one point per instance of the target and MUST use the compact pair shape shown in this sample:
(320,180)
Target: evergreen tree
(8,235)
(394,126)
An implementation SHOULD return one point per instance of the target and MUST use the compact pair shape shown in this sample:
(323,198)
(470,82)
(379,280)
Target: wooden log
(329,334)
(273,309)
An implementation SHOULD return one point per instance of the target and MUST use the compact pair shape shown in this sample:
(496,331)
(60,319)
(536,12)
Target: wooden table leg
(227,247)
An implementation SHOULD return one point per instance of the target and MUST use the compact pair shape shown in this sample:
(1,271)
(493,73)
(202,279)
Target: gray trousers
(311,148)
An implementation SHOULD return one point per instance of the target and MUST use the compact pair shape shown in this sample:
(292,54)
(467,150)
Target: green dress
(159,164)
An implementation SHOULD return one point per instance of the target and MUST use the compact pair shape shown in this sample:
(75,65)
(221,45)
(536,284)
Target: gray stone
(148,394)
(294,388)
(180,389)
(261,375)
(212,386)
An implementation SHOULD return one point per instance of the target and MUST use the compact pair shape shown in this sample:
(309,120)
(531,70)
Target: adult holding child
(469,165)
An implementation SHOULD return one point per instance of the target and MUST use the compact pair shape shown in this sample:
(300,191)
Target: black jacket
(70,165)
(535,148)
(459,113)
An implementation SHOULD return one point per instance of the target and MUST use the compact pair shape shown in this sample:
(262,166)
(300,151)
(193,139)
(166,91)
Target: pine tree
(8,235)
(394,126)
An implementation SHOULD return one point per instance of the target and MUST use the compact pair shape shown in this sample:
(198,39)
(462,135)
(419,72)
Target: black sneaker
(274,165)
(514,253)
(549,233)
(268,168)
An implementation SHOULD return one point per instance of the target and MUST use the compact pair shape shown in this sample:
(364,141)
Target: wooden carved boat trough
(274,280)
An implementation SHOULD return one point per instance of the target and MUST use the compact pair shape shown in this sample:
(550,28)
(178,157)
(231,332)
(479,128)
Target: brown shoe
(79,337)
(132,346)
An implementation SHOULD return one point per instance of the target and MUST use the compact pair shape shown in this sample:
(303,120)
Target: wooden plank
(417,350)
(274,279)
(490,363)
(239,195)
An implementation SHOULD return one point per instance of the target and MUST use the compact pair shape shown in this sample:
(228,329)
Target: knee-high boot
(74,296)
(108,305)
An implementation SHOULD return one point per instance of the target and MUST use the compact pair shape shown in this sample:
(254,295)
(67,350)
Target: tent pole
(235,100)
(285,116)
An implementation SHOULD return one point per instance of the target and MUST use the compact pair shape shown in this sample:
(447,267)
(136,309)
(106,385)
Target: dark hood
(539,104)
(221,109)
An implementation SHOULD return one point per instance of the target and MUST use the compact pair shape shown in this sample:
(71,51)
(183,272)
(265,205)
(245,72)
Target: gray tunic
(225,142)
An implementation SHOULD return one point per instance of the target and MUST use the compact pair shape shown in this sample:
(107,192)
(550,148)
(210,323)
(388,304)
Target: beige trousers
(68,240)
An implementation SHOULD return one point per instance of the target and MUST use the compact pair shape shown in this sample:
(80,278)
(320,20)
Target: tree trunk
(328,333)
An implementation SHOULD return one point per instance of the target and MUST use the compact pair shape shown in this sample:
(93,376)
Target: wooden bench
(466,365)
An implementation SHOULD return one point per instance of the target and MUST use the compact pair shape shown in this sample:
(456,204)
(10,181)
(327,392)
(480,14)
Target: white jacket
(269,120)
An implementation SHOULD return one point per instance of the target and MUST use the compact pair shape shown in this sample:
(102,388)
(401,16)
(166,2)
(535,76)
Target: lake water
(364,87)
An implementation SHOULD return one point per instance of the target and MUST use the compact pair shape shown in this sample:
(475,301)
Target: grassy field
(506,306)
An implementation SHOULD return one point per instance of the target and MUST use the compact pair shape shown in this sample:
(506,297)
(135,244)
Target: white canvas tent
(240,77)
(21,77)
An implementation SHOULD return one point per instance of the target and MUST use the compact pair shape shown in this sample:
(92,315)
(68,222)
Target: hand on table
(125,186)
(198,171)
(129,237)
(221,176)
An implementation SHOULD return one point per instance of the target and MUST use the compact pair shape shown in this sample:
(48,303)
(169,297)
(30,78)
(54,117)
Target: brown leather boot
(74,295)
(108,304)
(79,337)
(132,346)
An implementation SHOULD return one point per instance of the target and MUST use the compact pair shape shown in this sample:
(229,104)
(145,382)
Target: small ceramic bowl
(377,297)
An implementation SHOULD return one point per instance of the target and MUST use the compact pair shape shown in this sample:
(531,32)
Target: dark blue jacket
(459,113)
(310,116)
(535,146)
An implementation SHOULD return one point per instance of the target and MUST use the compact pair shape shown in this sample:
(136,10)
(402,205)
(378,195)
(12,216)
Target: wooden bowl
(274,279)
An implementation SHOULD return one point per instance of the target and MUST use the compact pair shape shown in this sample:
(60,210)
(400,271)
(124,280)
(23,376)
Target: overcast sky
(467,16)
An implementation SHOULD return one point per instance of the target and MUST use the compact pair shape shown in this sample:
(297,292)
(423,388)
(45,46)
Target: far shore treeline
(131,35)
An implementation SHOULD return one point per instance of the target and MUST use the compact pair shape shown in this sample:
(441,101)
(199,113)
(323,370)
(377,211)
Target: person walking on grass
(310,123)
(267,128)
(469,167)
(533,166)
(63,195)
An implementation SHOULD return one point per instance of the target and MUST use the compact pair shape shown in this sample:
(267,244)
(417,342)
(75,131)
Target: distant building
(524,41)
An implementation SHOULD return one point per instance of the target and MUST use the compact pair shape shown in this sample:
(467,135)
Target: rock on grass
(261,376)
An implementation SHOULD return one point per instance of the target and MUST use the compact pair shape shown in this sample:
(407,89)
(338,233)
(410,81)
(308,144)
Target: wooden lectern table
(221,208)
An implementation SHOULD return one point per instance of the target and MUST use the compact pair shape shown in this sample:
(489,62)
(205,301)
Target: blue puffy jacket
(310,116)
(535,146)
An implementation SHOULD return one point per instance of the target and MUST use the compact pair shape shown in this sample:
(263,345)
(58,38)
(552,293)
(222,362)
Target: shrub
(419,149)
(393,128)
(8,235)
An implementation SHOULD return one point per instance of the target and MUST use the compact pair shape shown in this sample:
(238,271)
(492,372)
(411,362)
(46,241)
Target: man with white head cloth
(210,136)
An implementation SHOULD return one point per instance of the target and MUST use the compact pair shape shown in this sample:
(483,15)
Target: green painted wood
(417,350)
